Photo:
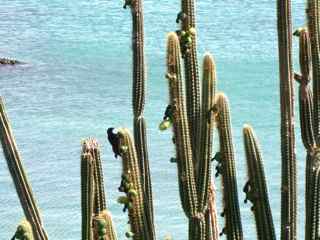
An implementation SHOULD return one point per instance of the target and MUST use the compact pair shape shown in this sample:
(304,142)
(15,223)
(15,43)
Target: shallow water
(77,83)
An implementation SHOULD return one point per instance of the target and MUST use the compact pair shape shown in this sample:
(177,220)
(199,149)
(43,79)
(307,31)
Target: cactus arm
(19,176)
(132,171)
(138,102)
(87,194)
(258,191)
(91,146)
(305,92)
(313,27)
(288,179)
(192,83)
(138,89)
(208,93)
(180,128)
(230,193)
(93,201)
(142,153)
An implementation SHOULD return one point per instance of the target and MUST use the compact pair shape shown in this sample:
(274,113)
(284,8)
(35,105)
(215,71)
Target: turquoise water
(77,83)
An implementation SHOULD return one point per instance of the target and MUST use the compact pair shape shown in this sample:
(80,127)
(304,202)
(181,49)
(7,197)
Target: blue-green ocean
(77,83)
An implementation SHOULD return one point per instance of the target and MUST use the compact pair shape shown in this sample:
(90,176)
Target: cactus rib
(230,193)
(19,176)
(258,192)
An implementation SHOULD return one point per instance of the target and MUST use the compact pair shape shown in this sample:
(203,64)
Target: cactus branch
(258,193)
(19,176)
(233,228)
(288,182)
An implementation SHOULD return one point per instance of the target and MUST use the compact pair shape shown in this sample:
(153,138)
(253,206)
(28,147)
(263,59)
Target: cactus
(192,82)
(288,179)
(256,188)
(233,226)
(133,187)
(19,176)
(93,203)
(138,101)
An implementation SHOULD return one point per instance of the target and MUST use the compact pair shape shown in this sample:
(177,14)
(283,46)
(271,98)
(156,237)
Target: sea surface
(77,82)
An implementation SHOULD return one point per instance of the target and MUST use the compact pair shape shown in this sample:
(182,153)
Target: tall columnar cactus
(288,179)
(19,176)
(133,188)
(189,51)
(226,158)
(138,101)
(306,117)
(256,187)
(93,203)
(194,188)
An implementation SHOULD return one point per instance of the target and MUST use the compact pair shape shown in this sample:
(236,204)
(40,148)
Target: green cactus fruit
(129,234)
(164,125)
(132,193)
(123,200)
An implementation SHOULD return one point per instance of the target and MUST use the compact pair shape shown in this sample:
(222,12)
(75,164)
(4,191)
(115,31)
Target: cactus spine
(256,188)
(19,176)
(288,179)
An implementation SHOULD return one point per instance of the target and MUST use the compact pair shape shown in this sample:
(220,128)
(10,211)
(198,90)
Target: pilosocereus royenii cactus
(195,109)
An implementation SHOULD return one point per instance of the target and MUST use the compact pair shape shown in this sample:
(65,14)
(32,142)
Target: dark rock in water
(7,61)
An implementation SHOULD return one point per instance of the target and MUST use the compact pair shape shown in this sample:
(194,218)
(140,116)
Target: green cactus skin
(208,94)
(87,194)
(233,228)
(24,231)
(258,192)
(19,176)
(288,158)
(192,82)
(131,169)
(313,27)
